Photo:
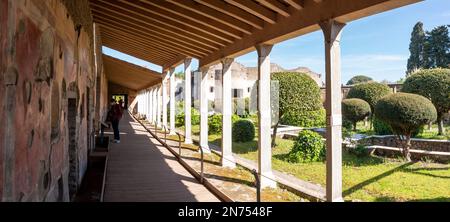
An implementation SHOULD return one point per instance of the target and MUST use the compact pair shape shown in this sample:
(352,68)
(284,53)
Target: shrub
(370,92)
(433,84)
(299,95)
(405,113)
(355,110)
(215,123)
(381,128)
(195,118)
(305,119)
(308,147)
(359,79)
(243,131)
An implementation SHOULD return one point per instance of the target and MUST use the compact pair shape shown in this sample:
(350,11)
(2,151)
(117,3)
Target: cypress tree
(416,47)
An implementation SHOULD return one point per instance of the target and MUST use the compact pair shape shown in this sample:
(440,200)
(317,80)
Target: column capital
(263,49)
(187,62)
(331,30)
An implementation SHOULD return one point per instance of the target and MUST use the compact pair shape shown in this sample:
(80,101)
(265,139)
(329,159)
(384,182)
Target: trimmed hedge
(370,92)
(308,147)
(359,79)
(305,119)
(405,112)
(381,128)
(355,110)
(243,131)
(299,98)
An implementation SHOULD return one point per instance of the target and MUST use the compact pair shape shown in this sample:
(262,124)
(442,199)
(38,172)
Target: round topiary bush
(433,84)
(314,118)
(359,79)
(243,131)
(355,110)
(370,92)
(308,147)
(405,113)
(381,128)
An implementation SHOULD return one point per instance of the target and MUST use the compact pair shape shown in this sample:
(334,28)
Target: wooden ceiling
(129,75)
(165,32)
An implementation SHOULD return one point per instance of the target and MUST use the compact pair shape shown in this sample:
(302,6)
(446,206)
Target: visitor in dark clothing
(115,114)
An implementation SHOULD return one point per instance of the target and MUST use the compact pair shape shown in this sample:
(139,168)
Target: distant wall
(47,58)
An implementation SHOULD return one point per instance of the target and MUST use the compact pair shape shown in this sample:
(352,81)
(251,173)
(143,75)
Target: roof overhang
(165,32)
(129,75)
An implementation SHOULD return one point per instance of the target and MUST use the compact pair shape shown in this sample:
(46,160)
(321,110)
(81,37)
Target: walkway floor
(141,170)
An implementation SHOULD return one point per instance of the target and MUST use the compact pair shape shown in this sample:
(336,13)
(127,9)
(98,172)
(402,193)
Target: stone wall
(46,59)
(419,144)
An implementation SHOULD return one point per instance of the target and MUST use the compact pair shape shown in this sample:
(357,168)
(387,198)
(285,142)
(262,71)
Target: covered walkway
(141,169)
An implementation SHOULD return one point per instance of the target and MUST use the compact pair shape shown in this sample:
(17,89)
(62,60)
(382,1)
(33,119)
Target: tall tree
(438,47)
(416,47)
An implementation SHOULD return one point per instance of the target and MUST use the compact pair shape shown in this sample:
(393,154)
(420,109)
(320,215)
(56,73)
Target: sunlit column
(187,100)
(227,154)
(159,105)
(332,32)
(172,101)
(164,99)
(203,99)
(264,117)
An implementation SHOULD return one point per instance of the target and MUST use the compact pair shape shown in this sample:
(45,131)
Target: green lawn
(364,178)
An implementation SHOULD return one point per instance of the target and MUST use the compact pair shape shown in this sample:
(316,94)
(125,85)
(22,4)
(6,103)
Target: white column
(159,106)
(154,105)
(172,101)
(146,104)
(187,100)
(332,32)
(203,99)
(227,153)
(264,118)
(149,106)
(164,99)
(139,102)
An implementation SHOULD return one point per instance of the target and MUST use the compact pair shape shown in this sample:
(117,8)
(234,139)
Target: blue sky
(376,46)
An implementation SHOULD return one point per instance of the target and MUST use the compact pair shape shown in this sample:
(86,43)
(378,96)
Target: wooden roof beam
(128,12)
(235,12)
(276,6)
(177,20)
(212,24)
(297,4)
(212,14)
(255,9)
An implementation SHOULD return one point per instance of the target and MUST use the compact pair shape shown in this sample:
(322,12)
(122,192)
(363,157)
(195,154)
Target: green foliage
(381,128)
(299,97)
(314,118)
(370,92)
(195,118)
(405,113)
(359,151)
(359,79)
(433,84)
(215,123)
(416,48)
(355,110)
(243,131)
(308,147)
(437,48)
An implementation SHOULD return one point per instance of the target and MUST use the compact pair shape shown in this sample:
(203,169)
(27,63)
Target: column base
(338,199)
(205,149)
(267,180)
(229,162)
(188,141)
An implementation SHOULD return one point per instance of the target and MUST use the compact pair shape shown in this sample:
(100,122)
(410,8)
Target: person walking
(115,115)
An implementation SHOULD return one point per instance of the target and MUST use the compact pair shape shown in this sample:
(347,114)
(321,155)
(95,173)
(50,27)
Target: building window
(211,89)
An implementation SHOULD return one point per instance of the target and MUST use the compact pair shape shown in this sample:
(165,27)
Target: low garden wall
(418,144)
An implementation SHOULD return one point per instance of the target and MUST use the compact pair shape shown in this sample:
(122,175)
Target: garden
(418,111)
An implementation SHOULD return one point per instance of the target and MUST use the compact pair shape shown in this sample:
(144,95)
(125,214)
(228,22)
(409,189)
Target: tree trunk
(365,122)
(440,124)
(430,126)
(371,122)
(354,126)
(274,135)
(406,148)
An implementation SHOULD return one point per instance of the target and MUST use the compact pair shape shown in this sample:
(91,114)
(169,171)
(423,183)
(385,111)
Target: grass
(367,178)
